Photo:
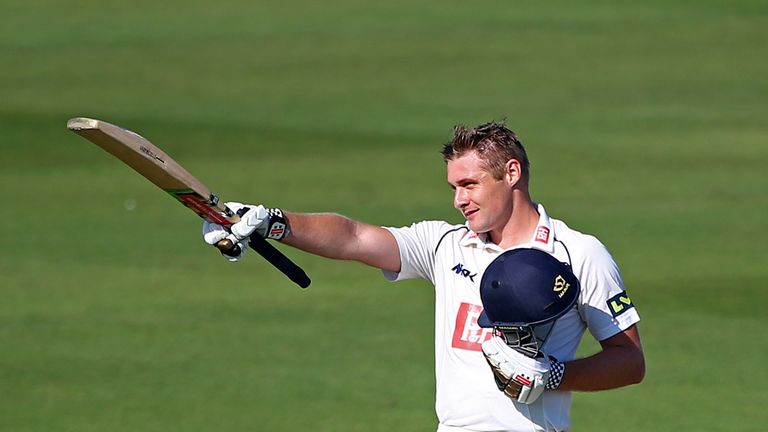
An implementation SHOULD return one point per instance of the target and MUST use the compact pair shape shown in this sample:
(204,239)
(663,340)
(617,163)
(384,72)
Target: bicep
(621,362)
(629,351)
(376,246)
(629,338)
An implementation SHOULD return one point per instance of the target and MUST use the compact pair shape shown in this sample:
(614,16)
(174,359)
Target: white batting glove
(269,223)
(521,378)
(214,233)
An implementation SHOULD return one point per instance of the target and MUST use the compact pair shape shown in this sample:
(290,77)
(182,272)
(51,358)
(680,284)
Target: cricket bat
(159,168)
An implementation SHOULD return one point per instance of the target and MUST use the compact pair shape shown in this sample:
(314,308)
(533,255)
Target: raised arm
(335,236)
(325,234)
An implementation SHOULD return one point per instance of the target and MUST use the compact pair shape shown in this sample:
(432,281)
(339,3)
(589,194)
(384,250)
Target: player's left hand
(521,378)
(214,233)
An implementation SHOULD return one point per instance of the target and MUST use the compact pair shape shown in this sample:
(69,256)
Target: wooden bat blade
(155,165)
(159,168)
(136,152)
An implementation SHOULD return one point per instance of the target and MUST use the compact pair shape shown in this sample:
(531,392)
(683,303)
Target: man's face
(484,201)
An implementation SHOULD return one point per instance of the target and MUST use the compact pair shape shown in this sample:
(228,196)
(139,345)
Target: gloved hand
(521,378)
(269,223)
(266,222)
(214,233)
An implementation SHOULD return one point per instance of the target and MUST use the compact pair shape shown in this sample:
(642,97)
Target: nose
(460,198)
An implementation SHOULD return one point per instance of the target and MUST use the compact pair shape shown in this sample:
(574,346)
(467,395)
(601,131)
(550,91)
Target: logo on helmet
(561,286)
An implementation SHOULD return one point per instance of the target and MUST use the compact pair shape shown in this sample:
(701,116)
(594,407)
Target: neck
(520,226)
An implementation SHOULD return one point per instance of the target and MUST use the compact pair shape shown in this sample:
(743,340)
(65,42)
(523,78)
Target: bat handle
(227,247)
(271,254)
(277,259)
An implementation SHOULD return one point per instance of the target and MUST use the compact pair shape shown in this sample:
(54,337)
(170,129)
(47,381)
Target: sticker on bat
(200,205)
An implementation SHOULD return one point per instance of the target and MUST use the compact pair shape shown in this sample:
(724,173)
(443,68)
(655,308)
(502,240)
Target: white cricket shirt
(453,258)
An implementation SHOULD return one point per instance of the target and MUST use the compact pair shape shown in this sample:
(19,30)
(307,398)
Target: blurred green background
(645,122)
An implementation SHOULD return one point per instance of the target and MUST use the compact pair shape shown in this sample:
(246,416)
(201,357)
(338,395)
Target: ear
(512,172)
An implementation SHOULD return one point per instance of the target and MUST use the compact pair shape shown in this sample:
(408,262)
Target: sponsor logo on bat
(200,205)
(150,154)
(213,199)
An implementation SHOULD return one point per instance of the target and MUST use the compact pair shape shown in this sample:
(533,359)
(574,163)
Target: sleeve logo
(619,304)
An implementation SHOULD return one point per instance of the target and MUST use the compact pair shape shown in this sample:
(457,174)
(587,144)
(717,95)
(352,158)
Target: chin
(477,228)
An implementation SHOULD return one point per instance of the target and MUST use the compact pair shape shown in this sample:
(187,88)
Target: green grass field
(645,122)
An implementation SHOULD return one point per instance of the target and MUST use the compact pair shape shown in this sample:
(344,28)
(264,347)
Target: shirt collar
(543,236)
(479,241)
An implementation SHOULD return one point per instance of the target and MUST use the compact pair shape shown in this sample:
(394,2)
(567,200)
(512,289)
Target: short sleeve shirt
(453,259)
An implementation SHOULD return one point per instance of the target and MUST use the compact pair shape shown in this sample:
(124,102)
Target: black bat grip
(280,261)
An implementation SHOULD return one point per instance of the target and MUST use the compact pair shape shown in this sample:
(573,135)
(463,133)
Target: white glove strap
(267,222)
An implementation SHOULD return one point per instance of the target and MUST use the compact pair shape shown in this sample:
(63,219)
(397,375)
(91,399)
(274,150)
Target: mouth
(468,214)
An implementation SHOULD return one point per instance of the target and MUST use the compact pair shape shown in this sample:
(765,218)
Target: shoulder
(576,241)
(585,251)
(438,225)
(434,227)
(432,232)
(604,304)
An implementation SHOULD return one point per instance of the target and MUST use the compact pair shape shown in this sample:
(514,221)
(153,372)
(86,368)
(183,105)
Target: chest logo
(460,270)
(467,333)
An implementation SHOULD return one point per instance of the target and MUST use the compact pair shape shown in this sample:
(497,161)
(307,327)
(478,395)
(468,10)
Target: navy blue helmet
(523,292)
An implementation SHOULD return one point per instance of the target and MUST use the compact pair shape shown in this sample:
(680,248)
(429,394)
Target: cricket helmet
(524,291)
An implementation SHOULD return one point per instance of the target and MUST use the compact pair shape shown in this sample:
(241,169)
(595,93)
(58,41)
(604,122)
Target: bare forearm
(620,363)
(602,371)
(335,236)
(324,234)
